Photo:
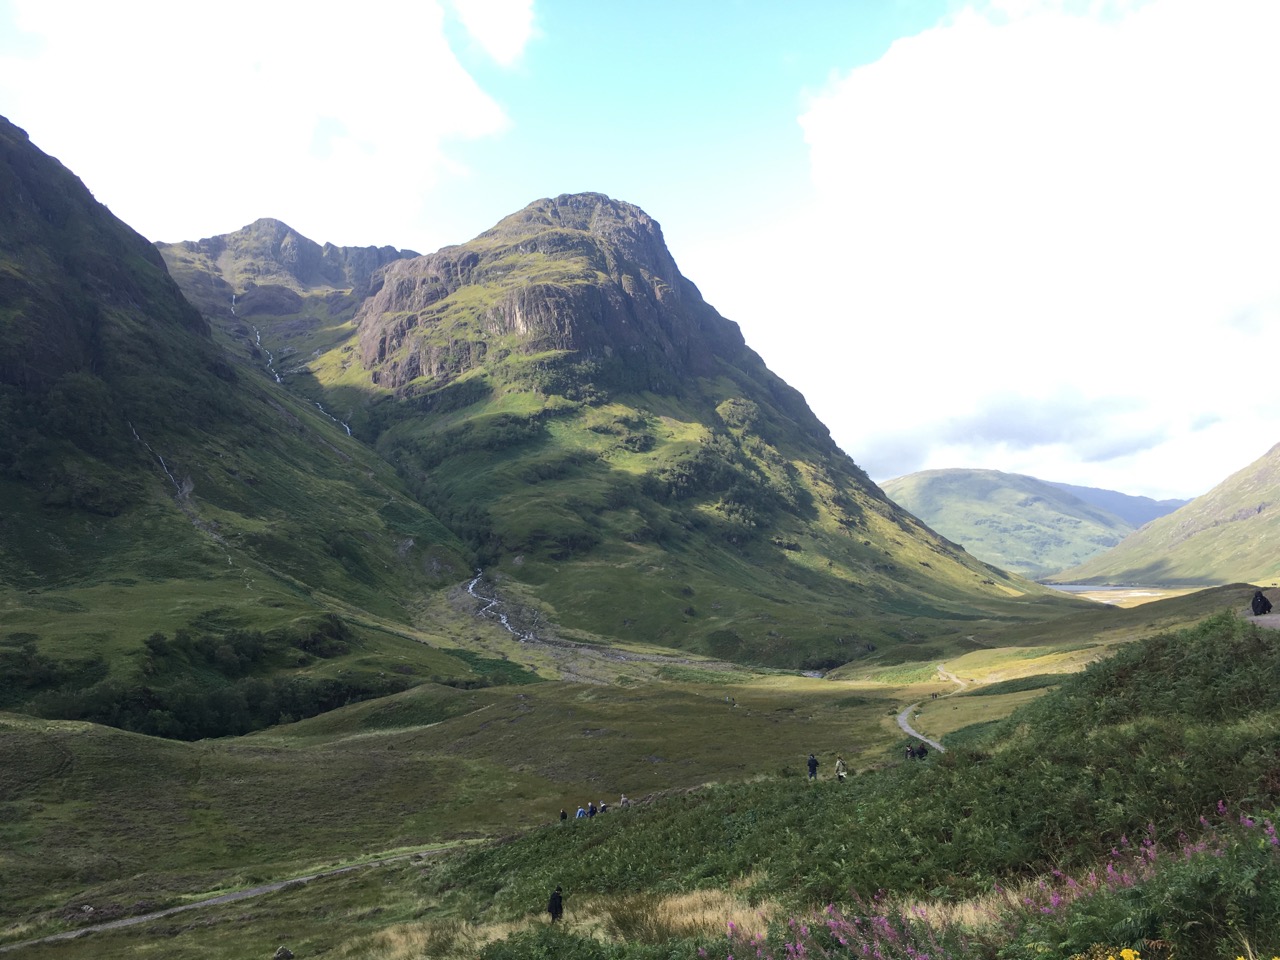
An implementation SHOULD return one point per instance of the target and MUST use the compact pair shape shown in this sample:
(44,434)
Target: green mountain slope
(153,485)
(1016,522)
(563,397)
(1227,535)
(274,297)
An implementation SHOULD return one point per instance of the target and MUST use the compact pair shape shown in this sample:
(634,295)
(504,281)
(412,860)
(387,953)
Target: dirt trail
(904,716)
(211,901)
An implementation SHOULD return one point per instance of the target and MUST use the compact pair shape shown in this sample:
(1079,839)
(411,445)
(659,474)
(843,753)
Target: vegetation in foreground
(1167,801)
(1132,808)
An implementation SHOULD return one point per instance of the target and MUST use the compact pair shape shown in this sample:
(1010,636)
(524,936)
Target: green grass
(113,819)
(1153,755)
(119,817)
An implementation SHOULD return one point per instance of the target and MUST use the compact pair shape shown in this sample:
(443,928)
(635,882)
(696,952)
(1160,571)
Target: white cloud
(501,27)
(1027,203)
(334,120)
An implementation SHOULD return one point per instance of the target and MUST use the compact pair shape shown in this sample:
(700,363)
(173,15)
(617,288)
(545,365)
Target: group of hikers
(590,810)
(842,768)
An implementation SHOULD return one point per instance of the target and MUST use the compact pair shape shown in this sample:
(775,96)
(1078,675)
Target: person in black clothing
(813,767)
(1260,604)
(563,816)
(555,906)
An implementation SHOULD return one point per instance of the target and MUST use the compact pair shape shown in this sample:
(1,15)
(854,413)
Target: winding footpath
(904,716)
(212,901)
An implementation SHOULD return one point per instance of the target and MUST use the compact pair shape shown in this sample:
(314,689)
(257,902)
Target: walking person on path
(841,769)
(813,767)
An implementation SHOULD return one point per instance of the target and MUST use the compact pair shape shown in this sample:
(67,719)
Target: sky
(1037,236)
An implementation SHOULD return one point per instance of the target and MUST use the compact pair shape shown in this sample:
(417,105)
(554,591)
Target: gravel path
(904,717)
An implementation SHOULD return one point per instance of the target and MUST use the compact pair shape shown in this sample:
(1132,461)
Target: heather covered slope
(1227,535)
(1013,521)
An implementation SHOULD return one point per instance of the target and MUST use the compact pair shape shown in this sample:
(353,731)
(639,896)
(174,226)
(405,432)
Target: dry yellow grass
(646,918)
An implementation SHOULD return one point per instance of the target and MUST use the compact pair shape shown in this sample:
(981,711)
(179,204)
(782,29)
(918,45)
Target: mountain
(266,262)
(1227,535)
(616,456)
(1135,511)
(175,526)
(1016,522)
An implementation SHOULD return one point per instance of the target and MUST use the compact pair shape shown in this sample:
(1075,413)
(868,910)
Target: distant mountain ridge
(1228,535)
(1017,522)
(268,268)
(1134,511)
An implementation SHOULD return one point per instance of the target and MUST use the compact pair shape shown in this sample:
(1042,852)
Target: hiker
(624,802)
(555,906)
(911,753)
(841,769)
(563,816)
(591,808)
(580,815)
(921,752)
(813,767)
(604,807)
(1260,604)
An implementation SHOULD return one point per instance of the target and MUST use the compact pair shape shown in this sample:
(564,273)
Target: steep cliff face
(579,273)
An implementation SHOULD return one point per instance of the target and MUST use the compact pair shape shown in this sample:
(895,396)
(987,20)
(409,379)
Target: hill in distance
(1135,511)
(1228,535)
(1017,522)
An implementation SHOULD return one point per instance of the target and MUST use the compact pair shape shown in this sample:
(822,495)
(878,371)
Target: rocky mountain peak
(581,273)
(270,252)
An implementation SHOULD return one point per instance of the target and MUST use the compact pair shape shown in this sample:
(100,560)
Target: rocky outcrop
(270,252)
(579,273)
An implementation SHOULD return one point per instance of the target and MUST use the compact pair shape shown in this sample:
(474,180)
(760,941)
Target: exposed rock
(272,252)
(580,273)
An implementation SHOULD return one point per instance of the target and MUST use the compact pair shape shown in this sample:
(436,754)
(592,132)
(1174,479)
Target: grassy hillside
(1153,771)
(153,487)
(1140,746)
(1224,536)
(109,817)
(1015,522)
